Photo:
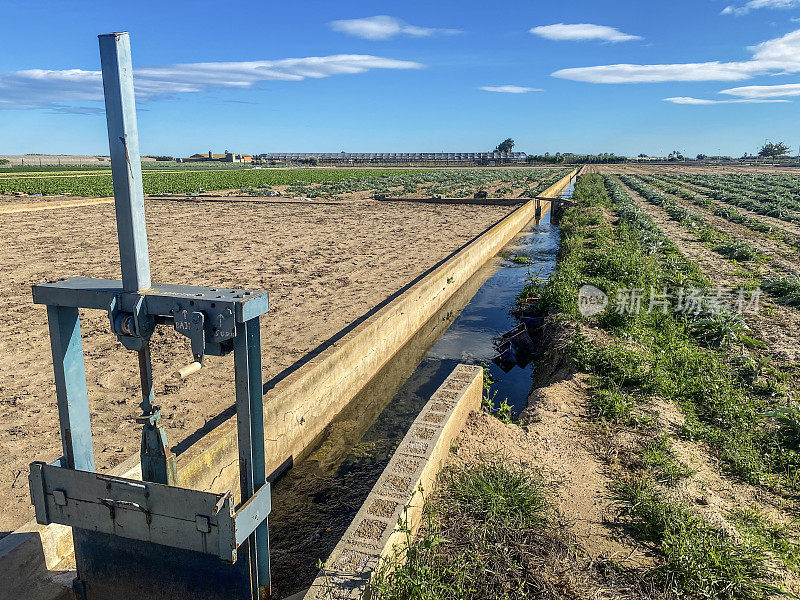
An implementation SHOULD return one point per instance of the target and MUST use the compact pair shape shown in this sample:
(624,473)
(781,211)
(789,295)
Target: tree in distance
(505,146)
(770,150)
(675,155)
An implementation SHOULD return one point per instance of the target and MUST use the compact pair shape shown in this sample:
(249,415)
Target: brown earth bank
(324,265)
(557,437)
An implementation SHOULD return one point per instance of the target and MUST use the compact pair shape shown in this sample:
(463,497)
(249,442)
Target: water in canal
(315,501)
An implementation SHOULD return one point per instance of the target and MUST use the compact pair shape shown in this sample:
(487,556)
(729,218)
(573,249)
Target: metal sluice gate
(152,539)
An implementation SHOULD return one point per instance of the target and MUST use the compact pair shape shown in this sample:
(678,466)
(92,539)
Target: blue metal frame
(127,539)
(126,164)
(250,430)
(71,394)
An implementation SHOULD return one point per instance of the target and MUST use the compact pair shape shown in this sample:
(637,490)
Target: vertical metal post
(252,457)
(158,462)
(126,168)
(70,376)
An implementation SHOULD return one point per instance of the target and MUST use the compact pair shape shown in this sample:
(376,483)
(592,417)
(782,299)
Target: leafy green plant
(788,417)
(723,329)
(786,288)
(737,250)
(700,561)
(502,411)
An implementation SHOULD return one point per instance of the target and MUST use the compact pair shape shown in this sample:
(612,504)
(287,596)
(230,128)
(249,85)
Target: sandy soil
(323,264)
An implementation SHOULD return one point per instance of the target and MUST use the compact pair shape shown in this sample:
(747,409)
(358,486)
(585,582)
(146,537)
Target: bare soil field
(324,264)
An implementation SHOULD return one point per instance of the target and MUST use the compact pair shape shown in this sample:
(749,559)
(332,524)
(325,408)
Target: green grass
(690,360)
(780,540)
(488,534)
(659,460)
(700,561)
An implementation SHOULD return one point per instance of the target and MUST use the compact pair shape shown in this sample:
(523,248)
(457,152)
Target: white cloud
(779,55)
(40,88)
(756,4)
(383,27)
(579,32)
(764,91)
(704,101)
(626,73)
(509,89)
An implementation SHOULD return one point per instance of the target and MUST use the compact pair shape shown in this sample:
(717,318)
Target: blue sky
(583,76)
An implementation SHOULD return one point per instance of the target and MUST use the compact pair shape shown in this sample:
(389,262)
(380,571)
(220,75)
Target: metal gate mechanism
(151,538)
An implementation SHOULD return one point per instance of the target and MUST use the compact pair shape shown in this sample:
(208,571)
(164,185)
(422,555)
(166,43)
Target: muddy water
(315,501)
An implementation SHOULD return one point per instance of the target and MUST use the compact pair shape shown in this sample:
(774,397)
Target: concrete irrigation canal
(317,499)
(339,417)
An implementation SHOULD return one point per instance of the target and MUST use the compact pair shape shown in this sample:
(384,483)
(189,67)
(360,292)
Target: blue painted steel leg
(252,458)
(70,375)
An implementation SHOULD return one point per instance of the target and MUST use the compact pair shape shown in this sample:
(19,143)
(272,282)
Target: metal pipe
(126,168)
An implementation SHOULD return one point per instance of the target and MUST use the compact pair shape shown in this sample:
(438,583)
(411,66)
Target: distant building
(483,158)
(227,157)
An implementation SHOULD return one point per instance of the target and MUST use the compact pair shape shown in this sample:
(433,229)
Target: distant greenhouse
(484,158)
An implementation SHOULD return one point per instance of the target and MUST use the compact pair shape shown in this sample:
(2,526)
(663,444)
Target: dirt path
(51,205)
(323,265)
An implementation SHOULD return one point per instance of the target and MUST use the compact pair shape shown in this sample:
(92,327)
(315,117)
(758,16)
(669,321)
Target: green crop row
(190,182)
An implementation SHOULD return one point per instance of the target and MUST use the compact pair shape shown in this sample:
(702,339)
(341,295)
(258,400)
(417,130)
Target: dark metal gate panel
(115,568)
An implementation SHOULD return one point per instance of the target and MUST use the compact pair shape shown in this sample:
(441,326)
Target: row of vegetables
(774,198)
(188,182)
(785,289)
(313,183)
(671,185)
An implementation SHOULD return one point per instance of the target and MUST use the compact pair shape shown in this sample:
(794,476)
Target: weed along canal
(315,501)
